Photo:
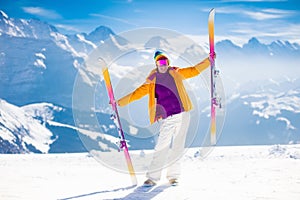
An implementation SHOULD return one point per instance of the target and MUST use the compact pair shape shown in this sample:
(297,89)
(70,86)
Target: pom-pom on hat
(160,56)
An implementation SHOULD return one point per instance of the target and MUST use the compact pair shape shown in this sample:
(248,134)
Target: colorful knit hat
(160,56)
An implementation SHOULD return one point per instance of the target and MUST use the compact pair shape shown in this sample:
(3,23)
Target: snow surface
(240,172)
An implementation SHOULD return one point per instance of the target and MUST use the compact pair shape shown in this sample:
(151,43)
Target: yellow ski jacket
(148,88)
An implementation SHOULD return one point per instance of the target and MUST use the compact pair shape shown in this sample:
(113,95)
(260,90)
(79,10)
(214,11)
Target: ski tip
(211,15)
(102,63)
(100,59)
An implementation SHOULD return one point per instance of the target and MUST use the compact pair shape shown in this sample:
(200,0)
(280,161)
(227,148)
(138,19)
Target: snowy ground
(241,173)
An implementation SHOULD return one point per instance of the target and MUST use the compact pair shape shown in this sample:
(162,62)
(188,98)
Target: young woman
(168,104)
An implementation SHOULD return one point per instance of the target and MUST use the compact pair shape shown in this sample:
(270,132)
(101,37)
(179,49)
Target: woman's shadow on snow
(141,193)
(144,193)
(98,192)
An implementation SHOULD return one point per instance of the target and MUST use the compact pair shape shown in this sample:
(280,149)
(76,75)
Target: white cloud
(261,15)
(266,24)
(113,18)
(257,14)
(41,12)
(67,27)
(266,14)
(267,31)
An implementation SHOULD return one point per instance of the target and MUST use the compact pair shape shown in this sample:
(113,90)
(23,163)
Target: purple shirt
(166,94)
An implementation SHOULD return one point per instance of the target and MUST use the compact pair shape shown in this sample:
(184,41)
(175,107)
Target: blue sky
(236,20)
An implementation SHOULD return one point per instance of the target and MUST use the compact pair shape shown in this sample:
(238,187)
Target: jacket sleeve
(135,95)
(190,72)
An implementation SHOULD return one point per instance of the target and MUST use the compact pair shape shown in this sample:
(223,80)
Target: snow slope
(20,132)
(240,172)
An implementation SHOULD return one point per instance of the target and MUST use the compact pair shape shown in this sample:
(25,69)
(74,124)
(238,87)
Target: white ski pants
(170,146)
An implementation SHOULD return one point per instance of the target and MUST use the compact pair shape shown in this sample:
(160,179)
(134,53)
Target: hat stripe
(161,57)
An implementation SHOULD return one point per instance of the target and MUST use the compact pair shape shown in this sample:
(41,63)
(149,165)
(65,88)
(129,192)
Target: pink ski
(123,144)
(213,73)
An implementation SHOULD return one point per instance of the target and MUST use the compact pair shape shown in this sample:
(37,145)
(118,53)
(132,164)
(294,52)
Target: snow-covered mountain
(21,132)
(28,48)
(276,49)
(40,64)
(47,128)
(264,113)
(32,28)
(262,86)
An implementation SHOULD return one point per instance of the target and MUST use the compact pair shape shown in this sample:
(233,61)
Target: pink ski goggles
(162,62)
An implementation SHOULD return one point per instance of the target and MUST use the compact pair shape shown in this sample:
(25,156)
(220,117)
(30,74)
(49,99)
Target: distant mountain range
(39,66)
(276,48)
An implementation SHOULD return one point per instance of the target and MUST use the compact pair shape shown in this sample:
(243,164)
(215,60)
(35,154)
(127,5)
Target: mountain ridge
(40,64)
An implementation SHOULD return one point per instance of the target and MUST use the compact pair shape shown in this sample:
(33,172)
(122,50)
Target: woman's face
(162,66)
